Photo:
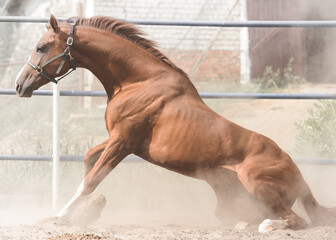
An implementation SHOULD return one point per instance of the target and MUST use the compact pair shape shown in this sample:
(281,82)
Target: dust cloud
(143,194)
(136,193)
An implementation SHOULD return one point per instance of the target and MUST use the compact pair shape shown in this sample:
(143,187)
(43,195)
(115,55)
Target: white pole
(244,47)
(56,144)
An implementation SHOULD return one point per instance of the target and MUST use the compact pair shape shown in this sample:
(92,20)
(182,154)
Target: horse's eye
(40,49)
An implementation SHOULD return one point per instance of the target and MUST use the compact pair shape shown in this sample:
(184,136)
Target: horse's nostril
(18,87)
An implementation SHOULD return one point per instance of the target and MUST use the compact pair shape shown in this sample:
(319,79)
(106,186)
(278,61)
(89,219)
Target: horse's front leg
(90,160)
(111,156)
(93,155)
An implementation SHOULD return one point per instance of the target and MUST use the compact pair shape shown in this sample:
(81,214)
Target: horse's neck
(115,61)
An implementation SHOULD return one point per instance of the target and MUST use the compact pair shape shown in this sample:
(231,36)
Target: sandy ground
(154,204)
(161,232)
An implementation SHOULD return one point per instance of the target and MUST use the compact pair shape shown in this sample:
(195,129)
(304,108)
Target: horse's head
(50,59)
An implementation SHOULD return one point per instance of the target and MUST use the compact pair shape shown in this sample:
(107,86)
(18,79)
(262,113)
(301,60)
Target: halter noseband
(64,54)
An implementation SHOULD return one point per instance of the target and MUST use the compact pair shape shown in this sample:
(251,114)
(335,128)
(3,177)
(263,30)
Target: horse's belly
(185,150)
(190,138)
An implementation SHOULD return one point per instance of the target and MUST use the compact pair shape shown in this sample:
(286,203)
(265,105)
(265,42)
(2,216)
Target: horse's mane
(127,31)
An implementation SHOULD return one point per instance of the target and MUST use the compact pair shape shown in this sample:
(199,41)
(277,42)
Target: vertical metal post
(56,144)
(245,64)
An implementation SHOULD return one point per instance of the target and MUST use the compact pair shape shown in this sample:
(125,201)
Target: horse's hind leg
(275,186)
(276,202)
(224,183)
(234,203)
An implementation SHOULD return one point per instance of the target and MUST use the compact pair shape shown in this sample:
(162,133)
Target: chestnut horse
(155,112)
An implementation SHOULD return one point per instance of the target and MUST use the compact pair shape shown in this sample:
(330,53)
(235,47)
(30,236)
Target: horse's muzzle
(23,92)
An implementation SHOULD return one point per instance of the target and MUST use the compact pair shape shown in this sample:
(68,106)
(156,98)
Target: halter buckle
(69,41)
(39,69)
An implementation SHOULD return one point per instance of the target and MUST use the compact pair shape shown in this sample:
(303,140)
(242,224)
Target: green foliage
(317,133)
(278,79)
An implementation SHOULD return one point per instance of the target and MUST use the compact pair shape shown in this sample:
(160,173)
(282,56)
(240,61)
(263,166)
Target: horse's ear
(53,22)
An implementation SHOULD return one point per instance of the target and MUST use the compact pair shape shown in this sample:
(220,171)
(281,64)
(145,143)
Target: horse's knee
(92,157)
(90,160)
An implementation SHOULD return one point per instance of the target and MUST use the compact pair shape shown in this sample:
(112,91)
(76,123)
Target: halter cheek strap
(64,54)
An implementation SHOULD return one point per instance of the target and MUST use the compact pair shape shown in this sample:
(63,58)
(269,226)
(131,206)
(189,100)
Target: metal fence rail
(130,158)
(46,158)
(273,24)
(75,93)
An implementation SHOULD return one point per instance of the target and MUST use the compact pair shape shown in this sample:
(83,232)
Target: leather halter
(64,54)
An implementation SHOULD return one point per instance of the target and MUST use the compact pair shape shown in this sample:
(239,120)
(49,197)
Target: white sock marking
(269,225)
(65,210)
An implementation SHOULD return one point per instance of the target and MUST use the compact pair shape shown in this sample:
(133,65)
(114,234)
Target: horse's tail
(318,214)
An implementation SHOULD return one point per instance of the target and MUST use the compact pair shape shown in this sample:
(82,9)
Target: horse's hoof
(242,225)
(89,210)
(269,225)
